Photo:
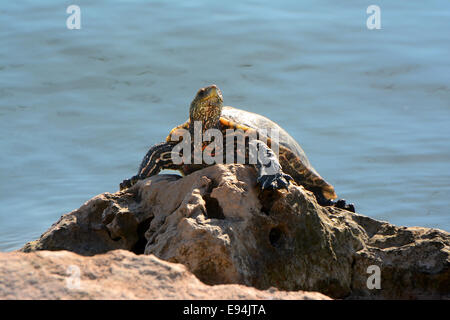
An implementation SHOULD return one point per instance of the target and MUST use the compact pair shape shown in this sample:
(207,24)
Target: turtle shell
(257,121)
(297,165)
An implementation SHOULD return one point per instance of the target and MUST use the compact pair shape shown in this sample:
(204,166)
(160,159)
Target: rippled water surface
(79,108)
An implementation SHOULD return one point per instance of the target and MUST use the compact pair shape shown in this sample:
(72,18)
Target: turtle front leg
(157,158)
(270,174)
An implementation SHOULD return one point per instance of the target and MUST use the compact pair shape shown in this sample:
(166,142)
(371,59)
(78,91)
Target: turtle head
(207,107)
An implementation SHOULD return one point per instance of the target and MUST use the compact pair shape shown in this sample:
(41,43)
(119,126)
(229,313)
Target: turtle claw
(350,207)
(127,183)
(342,204)
(274,181)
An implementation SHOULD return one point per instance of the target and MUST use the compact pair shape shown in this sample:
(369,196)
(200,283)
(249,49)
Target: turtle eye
(202,92)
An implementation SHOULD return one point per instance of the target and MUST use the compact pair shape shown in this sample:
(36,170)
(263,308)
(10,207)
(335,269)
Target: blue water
(79,108)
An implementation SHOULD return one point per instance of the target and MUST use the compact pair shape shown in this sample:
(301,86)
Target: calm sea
(79,108)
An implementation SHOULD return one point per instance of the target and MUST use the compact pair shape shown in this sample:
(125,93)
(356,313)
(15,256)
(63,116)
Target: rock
(218,223)
(118,274)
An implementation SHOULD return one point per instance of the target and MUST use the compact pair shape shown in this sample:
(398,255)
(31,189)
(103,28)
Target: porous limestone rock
(118,274)
(218,223)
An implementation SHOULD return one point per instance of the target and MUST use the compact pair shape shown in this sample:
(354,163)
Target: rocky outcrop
(225,230)
(117,274)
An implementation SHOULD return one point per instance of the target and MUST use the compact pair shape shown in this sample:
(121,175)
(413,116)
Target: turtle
(275,171)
